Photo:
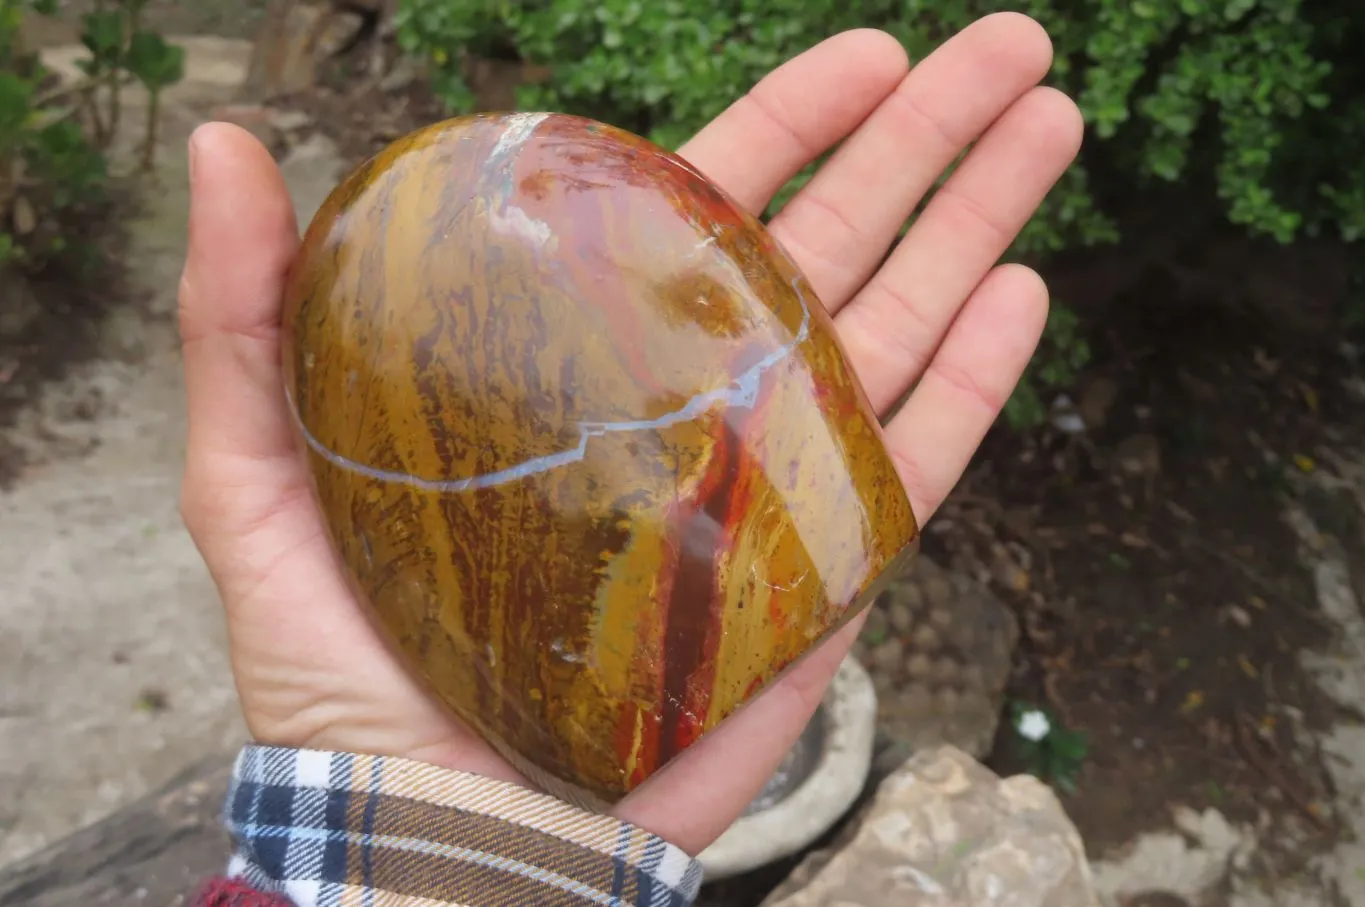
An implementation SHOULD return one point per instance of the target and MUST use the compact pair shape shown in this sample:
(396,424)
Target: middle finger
(841,224)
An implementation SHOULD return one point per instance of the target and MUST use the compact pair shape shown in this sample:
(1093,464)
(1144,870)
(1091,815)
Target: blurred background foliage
(54,137)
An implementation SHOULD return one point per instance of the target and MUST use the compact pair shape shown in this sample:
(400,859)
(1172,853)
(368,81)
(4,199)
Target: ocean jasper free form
(583,438)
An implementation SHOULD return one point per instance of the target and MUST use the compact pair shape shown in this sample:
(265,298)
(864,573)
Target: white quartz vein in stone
(743,392)
(507,217)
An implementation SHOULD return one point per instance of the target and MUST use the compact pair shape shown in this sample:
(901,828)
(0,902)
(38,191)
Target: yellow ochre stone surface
(583,438)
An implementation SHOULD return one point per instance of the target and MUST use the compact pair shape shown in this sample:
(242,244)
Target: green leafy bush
(53,137)
(1254,104)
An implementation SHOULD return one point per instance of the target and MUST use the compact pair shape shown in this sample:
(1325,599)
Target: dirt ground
(1161,594)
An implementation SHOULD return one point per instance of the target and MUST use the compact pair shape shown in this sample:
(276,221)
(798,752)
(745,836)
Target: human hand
(938,315)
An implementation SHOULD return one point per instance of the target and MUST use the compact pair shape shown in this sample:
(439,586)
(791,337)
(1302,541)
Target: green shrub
(1256,104)
(53,138)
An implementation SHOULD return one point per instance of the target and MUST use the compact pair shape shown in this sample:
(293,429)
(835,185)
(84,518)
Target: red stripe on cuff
(222,892)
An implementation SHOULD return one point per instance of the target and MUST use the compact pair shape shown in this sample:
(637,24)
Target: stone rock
(1190,861)
(953,641)
(294,39)
(943,831)
(613,474)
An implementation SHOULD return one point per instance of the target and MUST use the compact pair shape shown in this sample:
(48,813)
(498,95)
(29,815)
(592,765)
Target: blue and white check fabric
(327,829)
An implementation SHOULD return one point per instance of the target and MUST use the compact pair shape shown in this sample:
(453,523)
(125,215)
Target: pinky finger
(964,388)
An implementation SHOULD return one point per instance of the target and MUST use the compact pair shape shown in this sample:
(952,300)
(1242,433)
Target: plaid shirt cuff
(336,829)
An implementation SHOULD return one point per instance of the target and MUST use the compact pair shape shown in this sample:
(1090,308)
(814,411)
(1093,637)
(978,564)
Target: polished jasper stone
(583,438)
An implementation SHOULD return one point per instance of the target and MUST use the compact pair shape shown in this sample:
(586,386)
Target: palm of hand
(938,315)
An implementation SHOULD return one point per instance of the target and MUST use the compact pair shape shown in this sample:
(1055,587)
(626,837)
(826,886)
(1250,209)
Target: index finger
(796,113)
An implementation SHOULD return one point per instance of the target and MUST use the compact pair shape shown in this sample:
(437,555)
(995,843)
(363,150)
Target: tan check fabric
(339,829)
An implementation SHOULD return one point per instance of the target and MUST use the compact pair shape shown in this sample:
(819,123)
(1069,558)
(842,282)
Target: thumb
(242,240)
(243,236)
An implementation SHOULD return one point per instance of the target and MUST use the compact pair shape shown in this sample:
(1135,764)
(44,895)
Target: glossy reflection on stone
(583,438)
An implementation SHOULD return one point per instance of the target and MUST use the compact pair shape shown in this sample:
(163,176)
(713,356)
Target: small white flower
(1033,725)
